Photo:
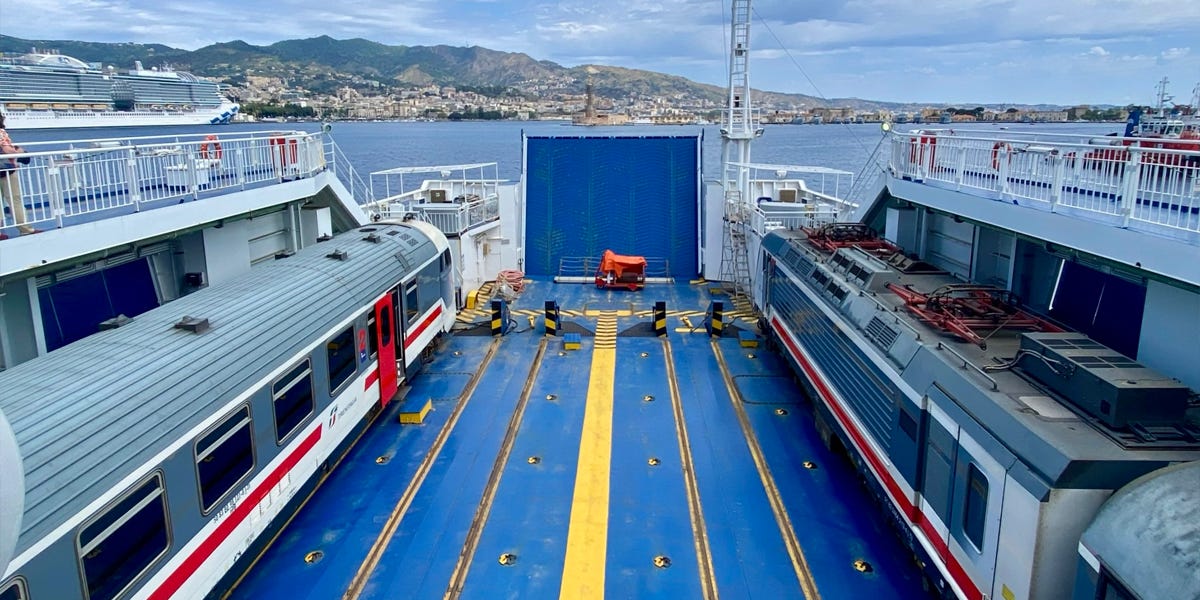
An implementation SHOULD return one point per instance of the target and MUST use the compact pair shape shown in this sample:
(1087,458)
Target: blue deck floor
(502,488)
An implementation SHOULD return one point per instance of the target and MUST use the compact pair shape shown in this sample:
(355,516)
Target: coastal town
(271,98)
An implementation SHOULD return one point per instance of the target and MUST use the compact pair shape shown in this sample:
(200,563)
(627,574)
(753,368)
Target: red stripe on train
(193,562)
(906,506)
(416,332)
(372,377)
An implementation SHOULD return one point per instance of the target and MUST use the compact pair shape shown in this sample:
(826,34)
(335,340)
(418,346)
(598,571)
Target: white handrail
(67,182)
(1151,183)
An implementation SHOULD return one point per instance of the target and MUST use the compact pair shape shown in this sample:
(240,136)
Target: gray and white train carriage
(160,456)
(992,461)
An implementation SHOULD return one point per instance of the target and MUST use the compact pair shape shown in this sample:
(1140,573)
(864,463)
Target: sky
(959,52)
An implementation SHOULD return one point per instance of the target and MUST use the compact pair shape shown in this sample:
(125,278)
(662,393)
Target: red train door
(384,321)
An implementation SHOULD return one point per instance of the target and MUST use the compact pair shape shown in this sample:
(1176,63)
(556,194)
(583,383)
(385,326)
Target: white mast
(738,129)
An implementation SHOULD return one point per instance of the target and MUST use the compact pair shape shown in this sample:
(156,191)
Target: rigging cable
(821,95)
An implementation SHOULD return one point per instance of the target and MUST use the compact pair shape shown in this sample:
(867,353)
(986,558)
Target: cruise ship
(235,368)
(46,90)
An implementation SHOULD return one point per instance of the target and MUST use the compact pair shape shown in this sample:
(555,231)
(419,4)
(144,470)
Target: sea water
(376,146)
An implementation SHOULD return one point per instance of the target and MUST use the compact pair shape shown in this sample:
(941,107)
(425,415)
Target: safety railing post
(1130,181)
(133,185)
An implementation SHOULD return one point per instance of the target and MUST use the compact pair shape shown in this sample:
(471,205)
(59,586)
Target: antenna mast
(738,129)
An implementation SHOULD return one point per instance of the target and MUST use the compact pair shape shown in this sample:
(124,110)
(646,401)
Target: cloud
(1064,51)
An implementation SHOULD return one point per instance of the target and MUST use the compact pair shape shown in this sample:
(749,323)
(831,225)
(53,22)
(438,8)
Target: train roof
(1148,534)
(88,414)
(1057,440)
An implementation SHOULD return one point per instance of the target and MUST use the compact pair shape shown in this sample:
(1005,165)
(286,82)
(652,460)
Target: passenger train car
(161,456)
(992,436)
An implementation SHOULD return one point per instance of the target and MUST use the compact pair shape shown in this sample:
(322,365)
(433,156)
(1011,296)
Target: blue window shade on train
(1105,307)
(855,376)
(633,195)
(73,309)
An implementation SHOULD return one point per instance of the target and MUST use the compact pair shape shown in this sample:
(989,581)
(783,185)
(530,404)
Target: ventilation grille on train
(881,333)
(1114,389)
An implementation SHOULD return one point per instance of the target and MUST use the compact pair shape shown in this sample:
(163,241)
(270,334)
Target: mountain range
(323,64)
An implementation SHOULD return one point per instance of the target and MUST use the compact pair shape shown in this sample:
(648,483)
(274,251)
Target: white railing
(359,189)
(1128,182)
(74,181)
(454,198)
(767,217)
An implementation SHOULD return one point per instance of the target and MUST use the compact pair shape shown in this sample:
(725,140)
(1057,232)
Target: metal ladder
(735,256)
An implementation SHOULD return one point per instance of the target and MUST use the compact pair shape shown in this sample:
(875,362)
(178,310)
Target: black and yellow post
(499,317)
(660,319)
(552,318)
(715,322)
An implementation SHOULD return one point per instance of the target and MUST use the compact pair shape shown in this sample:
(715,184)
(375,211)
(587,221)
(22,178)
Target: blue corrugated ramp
(633,195)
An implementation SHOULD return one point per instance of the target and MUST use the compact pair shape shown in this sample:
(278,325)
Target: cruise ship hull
(19,119)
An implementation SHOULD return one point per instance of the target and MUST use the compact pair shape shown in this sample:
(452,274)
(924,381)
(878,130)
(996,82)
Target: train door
(979,481)
(385,323)
(937,472)
(399,328)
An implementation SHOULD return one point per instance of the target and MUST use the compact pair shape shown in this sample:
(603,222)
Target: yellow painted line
(389,528)
(804,575)
(708,577)
(587,534)
(458,577)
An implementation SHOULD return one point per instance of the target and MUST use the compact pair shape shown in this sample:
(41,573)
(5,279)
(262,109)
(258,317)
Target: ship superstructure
(42,90)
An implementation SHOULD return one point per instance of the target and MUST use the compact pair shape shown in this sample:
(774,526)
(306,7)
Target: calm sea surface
(377,146)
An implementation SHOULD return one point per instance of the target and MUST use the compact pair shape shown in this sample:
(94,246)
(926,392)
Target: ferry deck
(683,466)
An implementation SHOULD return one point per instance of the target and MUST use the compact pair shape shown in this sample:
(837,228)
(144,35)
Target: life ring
(996,153)
(211,147)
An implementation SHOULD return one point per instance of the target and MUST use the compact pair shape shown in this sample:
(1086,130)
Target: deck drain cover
(781,411)
(644,354)
(647,398)
(533,460)
(654,462)
(508,559)
(862,566)
(662,561)
(808,464)
(750,355)
(314,557)
(383,460)
(551,397)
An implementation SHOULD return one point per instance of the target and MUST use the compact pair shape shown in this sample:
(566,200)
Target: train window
(411,309)
(975,511)
(224,457)
(339,353)
(292,399)
(1111,589)
(385,326)
(372,335)
(429,282)
(446,260)
(14,590)
(124,541)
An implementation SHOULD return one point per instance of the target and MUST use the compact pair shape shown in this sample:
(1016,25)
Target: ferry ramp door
(633,195)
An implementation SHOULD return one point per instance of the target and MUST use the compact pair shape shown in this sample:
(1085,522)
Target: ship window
(292,399)
(124,541)
(339,353)
(224,457)
(975,511)
(15,590)
(372,334)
